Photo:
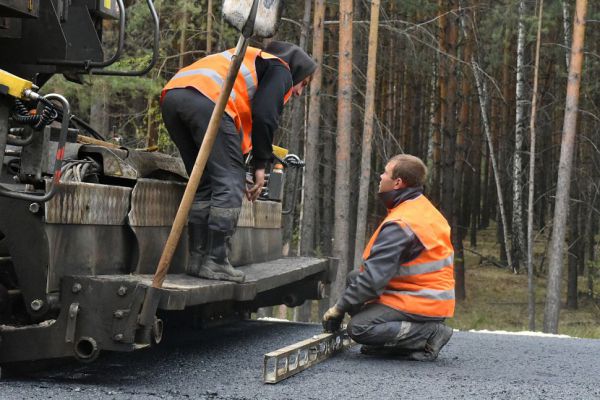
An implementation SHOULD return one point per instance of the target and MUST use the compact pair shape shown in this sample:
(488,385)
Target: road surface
(226,362)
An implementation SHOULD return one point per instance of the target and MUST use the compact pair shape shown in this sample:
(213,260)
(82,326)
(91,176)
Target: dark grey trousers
(379,325)
(186,113)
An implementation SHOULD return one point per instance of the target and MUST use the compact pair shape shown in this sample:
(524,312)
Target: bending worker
(405,288)
(266,81)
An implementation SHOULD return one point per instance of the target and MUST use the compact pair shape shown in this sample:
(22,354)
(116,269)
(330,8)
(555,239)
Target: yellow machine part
(280,152)
(16,86)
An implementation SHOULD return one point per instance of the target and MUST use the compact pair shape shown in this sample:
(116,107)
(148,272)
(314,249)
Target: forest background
(465,85)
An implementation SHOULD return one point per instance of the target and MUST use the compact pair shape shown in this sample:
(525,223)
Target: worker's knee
(358,331)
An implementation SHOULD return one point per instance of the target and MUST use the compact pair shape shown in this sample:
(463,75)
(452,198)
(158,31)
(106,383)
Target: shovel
(251,18)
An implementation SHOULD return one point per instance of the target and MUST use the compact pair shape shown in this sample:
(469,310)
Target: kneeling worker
(405,288)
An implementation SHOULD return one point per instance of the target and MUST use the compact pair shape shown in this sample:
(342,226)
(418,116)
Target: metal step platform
(101,312)
(180,290)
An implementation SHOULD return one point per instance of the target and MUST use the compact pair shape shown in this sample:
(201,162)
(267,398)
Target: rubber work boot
(216,265)
(198,237)
(434,344)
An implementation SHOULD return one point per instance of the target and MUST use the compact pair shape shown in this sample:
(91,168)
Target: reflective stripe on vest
(207,72)
(426,293)
(425,285)
(246,74)
(425,268)
(207,75)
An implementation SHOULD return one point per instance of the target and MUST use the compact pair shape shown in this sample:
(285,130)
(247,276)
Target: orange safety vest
(425,285)
(208,74)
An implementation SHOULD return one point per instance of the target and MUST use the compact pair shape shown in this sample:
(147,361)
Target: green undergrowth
(496,298)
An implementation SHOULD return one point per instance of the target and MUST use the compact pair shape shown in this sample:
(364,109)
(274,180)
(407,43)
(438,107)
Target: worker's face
(299,88)
(387,183)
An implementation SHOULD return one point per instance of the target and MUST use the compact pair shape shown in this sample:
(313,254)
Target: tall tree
(341,234)
(565,12)
(482,92)
(301,313)
(365,164)
(450,113)
(99,117)
(531,183)
(297,131)
(183,35)
(458,222)
(518,238)
(561,205)
(311,155)
(209,30)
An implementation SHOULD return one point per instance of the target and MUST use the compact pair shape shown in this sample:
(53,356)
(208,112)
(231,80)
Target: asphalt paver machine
(83,223)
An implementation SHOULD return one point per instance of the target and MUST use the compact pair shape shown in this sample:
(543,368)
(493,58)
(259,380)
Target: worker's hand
(332,319)
(253,192)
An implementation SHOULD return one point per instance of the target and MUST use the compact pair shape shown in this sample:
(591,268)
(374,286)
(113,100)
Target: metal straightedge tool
(290,360)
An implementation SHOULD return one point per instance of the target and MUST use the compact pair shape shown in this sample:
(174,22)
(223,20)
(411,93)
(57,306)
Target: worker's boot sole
(434,345)
(385,351)
(214,271)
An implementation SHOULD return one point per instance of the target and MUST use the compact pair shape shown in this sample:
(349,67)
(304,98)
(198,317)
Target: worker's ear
(399,184)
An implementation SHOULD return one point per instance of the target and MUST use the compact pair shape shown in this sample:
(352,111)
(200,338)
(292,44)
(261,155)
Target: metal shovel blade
(236,12)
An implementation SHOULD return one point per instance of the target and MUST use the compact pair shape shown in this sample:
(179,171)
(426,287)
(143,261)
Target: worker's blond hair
(410,169)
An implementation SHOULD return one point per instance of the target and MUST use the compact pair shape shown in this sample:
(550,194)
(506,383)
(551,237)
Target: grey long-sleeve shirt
(393,247)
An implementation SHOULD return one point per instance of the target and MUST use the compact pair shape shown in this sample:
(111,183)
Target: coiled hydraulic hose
(60,151)
(39,121)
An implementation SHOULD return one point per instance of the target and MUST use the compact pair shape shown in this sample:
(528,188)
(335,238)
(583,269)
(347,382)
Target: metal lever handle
(156,31)
(293,161)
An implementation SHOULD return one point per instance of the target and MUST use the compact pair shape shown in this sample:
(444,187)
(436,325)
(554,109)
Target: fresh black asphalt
(226,363)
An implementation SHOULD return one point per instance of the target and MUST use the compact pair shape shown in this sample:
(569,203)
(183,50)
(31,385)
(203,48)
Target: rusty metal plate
(267,214)
(88,204)
(154,202)
(246,218)
(260,214)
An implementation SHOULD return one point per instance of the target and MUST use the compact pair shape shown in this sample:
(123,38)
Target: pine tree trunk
(531,183)
(433,128)
(502,132)
(294,143)
(484,219)
(311,144)
(483,100)
(328,177)
(99,118)
(209,29)
(458,230)
(365,165)
(183,36)
(151,124)
(574,238)
(477,174)
(301,313)
(449,117)
(341,227)
(556,251)
(437,194)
